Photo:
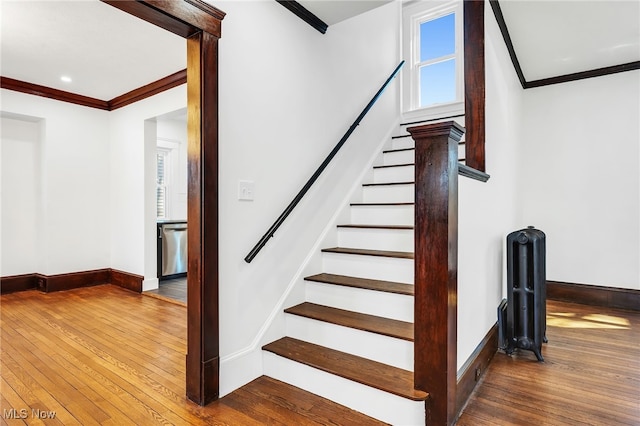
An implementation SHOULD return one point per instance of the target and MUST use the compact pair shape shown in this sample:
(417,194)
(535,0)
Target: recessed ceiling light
(66,79)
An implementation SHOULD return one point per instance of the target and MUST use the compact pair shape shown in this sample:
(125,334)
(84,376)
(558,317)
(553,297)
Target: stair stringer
(246,364)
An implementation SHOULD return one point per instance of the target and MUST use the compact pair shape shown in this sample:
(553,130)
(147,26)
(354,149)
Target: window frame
(415,14)
(167,154)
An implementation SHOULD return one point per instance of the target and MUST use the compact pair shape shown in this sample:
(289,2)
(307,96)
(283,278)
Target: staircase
(351,341)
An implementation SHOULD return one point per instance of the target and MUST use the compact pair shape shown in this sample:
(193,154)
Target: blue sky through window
(438,83)
(437,37)
(438,80)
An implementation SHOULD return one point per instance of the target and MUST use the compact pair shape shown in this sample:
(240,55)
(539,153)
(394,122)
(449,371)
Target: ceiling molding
(599,72)
(497,12)
(583,74)
(303,13)
(48,92)
(151,89)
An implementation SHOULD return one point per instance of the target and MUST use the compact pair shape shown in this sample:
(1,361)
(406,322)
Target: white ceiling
(333,11)
(108,53)
(553,38)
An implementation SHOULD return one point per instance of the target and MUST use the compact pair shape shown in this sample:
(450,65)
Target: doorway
(200,23)
(169,189)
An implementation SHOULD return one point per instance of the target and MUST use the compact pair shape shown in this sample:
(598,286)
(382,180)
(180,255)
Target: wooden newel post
(436,266)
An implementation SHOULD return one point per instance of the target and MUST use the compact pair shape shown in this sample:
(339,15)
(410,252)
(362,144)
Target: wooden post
(203,360)
(474,84)
(436,267)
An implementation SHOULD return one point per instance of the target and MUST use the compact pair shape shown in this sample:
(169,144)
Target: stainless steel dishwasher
(172,250)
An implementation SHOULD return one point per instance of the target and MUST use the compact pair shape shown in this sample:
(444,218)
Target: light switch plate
(245,190)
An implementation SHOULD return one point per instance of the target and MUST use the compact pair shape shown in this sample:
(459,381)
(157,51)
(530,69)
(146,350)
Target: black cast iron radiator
(526,309)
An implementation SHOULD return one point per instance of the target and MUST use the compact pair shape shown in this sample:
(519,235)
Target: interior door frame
(200,24)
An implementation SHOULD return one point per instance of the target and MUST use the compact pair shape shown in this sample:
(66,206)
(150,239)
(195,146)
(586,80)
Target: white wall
(580,177)
(20,194)
(488,211)
(287,95)
(73,185)
(133,141)
(95,187)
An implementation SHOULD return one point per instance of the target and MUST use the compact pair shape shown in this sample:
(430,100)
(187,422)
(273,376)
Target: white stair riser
(378,303)
(384,349)
(374,267)
(376,239)
(398,157)
(388,194)
(403,143)
(382,215)
(394,174)
(372,402)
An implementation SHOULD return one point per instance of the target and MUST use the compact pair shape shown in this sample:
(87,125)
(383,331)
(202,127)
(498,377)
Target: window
(162,204)
(433,46)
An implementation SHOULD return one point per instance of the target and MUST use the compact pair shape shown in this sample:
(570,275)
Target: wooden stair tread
(367,252)
(397,150)
(359,321)
(371,373)
(394,165)
(364,283)
(360,226)
(388,183)
(383,204)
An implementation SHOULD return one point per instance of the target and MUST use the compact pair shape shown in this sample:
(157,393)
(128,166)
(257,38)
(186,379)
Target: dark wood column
(474,84)
(436,267)
(203,356)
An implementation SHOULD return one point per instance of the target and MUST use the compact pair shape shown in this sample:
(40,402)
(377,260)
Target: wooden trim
(474,84)
(303,13)
(184,18)
(203,353)
(436,266)
(497,12)
(610,297)
(48,92)
(13,283)
(471,173)
(159,86)
(475,367)
(68,281)
(599,72)
(73,280)
(631,66)
(126,280)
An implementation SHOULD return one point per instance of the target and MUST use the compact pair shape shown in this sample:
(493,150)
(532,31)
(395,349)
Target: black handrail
(263,241)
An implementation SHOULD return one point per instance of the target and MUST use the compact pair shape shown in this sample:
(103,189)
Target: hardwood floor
(104,355)
(173,290)
(591,374)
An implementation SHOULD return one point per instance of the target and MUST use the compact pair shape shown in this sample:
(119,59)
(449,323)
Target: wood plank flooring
(173,290)
(591,374)
(105,355)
